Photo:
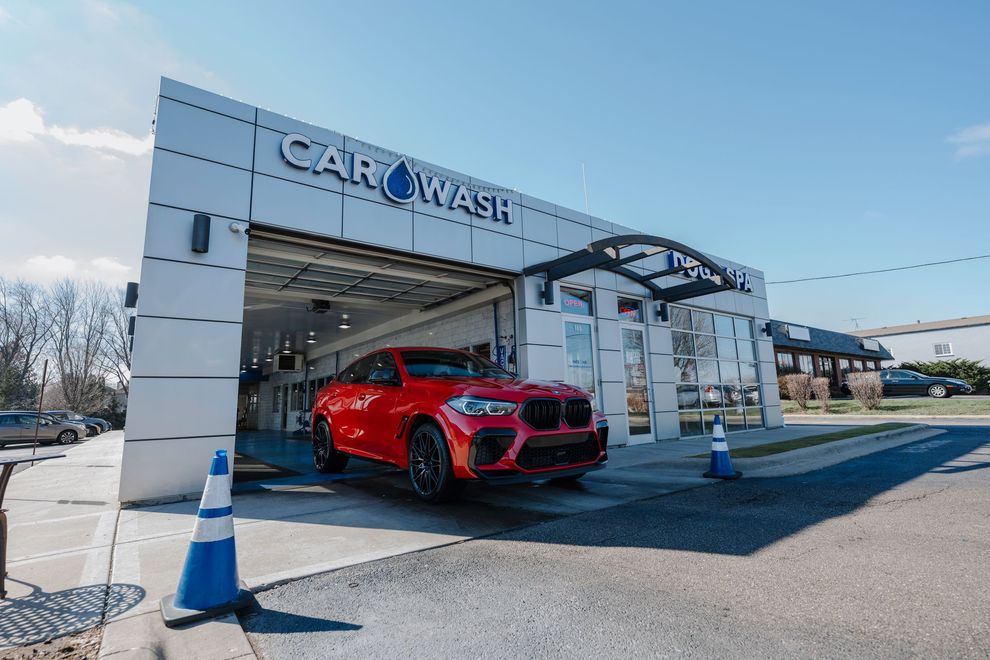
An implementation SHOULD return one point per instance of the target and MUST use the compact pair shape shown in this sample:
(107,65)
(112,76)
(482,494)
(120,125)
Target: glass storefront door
(636,379)
(579,355)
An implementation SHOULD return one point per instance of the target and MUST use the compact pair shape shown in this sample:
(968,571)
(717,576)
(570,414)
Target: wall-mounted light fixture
(130,326)
(663,312)
(767,329)
(345,322)
(201,233)
(548,292)
(130,298)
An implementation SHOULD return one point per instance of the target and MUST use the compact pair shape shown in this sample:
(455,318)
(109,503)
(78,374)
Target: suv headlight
(478,407)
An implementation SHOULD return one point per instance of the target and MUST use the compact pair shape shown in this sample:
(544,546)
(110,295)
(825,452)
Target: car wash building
(276,252)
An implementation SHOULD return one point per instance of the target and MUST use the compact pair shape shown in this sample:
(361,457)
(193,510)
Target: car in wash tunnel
(448,417)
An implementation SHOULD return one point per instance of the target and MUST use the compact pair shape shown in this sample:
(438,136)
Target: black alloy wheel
(326,459)
(67,437)
(430,469)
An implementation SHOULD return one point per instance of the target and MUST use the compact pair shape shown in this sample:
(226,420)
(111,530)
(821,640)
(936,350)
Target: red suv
(448,416)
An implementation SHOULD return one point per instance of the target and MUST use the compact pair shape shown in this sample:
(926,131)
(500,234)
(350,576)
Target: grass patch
(935,407)
(810,441)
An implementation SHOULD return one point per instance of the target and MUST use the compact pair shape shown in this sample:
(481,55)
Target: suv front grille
(577,412)
(541,414)
(557,450)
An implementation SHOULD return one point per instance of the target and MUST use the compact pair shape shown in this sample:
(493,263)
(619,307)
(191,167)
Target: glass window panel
(705,345)
(683,343)
(732,395)
(730,372)
(691,424)
(711,396)
(637,385)
(723,325)
(785,362)
(630,310)
(703,322)
(708,371)
(754,418)
(680,318)
(578,354)
(727,348)
(709,417)
(805,365)
(744,328)
(749,373)
(575,301)
(747,349)
(735,420)
(686,369)
(751,395)
(688,397)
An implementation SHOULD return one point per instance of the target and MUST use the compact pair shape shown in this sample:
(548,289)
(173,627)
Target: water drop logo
(400,182)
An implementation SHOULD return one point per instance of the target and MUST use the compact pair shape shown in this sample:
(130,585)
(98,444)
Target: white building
(277,251)
(968,337)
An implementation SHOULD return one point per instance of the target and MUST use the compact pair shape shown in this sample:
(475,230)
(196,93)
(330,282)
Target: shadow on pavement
(41,615)
(273,621)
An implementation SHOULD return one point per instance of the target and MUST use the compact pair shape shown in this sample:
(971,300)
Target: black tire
(326,459)
(937,391)
(67,437)
(431,471)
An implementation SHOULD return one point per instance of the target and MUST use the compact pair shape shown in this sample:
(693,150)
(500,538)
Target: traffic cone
(721,465)
(209,585)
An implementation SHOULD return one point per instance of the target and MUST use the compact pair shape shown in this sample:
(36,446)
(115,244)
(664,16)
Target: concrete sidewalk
(77,561)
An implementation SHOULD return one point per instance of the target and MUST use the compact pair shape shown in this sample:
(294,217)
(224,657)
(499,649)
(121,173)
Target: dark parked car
(94,425)
(904,381)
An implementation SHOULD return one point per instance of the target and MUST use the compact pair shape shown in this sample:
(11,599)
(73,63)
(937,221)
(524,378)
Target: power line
(882,270)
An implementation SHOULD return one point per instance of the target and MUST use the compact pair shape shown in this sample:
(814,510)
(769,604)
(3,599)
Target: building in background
(967,338)
(818,352)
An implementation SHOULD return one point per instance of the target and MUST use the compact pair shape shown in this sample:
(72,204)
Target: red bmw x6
(449,416)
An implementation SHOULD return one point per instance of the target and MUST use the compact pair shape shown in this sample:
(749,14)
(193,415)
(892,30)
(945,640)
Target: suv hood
(513,390)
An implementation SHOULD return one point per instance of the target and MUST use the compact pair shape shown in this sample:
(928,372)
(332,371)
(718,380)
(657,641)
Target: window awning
(617,252)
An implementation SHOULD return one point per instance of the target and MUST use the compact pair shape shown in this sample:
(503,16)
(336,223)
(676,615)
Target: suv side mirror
(384,377)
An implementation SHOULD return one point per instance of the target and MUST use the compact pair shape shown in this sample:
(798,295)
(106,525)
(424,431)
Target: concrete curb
(796,418)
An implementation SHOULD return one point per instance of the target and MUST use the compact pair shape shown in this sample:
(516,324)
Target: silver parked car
(18,427)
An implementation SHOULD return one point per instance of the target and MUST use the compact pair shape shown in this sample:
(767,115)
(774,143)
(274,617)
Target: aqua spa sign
(699,272)
(399,183)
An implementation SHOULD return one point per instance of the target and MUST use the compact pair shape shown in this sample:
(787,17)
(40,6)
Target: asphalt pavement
(880,556)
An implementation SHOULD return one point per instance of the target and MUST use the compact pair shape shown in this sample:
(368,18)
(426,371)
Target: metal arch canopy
(607,255)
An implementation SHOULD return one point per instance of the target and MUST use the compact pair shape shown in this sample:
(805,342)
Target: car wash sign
(676,259)
(399,183)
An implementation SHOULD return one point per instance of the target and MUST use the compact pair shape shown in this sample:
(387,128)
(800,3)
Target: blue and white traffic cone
(721,465)
(209,585)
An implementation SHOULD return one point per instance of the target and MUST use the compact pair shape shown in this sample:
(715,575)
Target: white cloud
(22,121)
(109,265)
(971,141)
(46,269)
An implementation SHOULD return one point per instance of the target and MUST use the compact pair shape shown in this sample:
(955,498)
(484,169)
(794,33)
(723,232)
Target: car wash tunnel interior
(311,306)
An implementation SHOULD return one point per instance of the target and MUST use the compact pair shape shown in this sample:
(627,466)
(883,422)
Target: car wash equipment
(209,585)
(721,465)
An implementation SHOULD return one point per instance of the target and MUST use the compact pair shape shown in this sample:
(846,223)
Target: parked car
(17,426)
(905,381)
(448,416)
(95,425)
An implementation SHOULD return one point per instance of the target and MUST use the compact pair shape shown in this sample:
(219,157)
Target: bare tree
(799,389)
(79,312)
(822,387)
(25,326)
(866,388)
(117,345)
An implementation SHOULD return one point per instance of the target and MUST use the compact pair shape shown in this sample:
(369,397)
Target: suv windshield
(451,364)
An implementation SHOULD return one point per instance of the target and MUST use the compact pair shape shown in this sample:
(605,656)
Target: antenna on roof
(855,321)
(584,182)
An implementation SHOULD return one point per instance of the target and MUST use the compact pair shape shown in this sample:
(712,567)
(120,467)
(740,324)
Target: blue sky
(801,138)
